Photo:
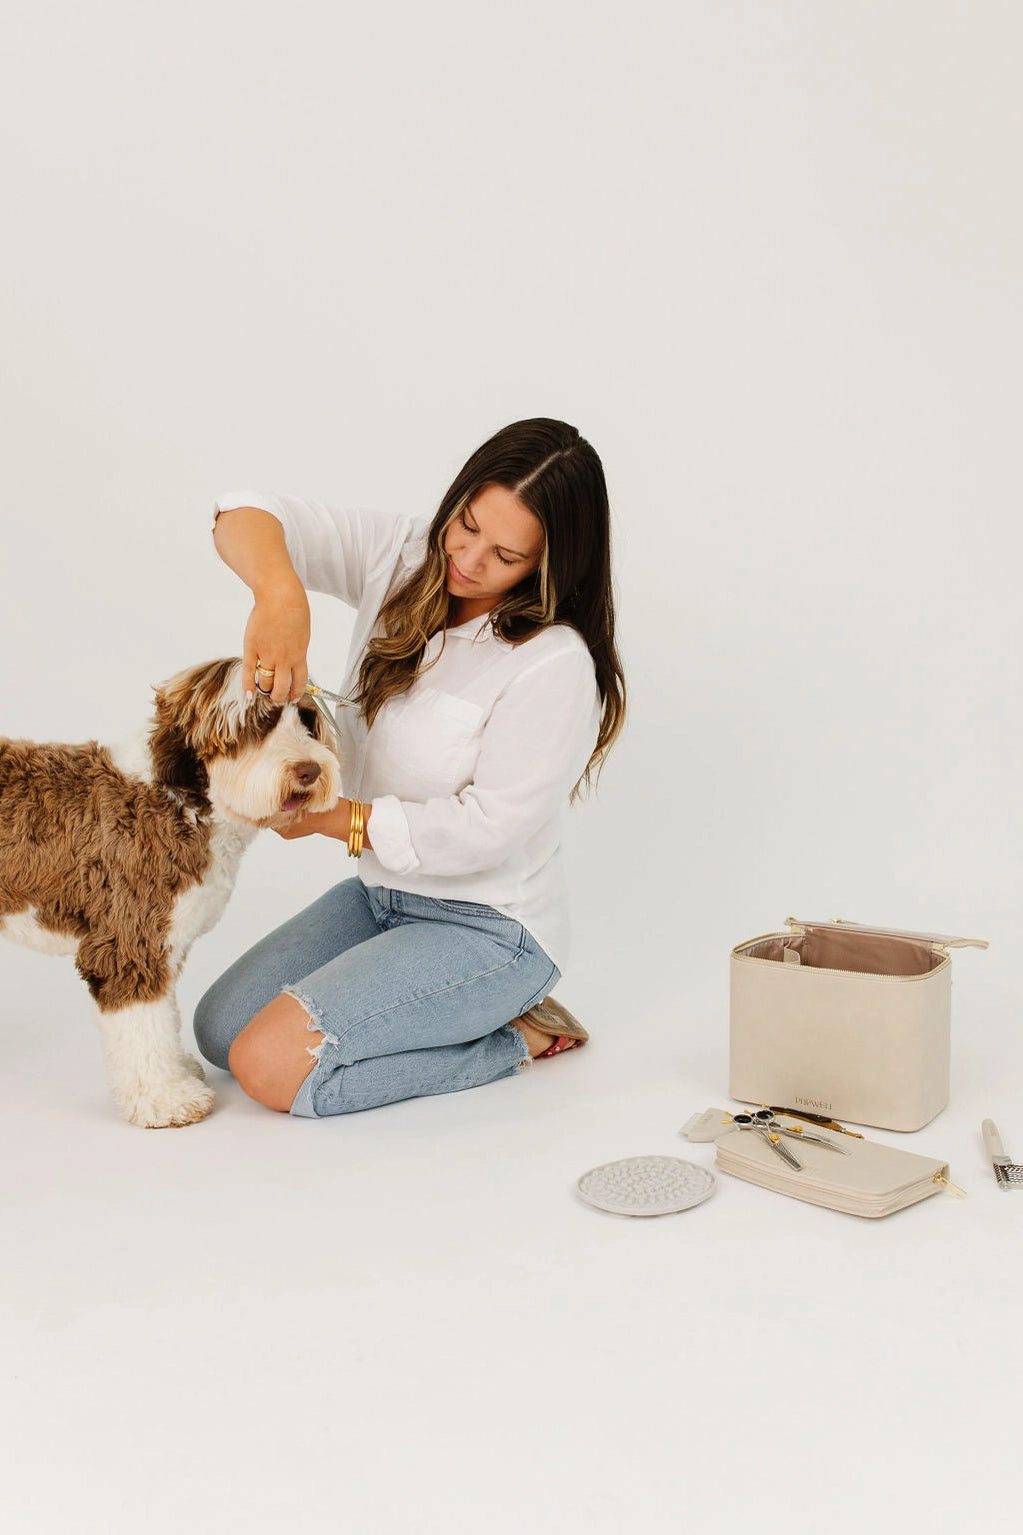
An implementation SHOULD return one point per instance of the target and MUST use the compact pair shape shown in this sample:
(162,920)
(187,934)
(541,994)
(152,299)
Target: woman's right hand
(277,639)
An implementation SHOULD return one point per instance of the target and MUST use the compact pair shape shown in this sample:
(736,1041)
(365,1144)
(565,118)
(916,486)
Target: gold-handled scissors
(765,1116)
(816,1119)
(317,694)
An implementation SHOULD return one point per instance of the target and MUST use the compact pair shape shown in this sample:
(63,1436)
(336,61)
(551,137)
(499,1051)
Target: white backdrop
(766,257)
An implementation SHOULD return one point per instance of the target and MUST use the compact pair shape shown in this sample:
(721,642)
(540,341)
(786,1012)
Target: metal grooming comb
(1009,1174)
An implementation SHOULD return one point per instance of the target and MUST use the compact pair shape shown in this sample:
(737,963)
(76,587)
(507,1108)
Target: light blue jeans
(414,995)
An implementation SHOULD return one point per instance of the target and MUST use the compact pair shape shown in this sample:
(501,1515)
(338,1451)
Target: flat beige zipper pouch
(872,1180)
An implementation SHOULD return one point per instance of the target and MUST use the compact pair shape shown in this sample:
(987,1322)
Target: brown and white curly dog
(124,855)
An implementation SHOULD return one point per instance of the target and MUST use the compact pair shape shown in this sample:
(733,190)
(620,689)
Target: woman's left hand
(325,823)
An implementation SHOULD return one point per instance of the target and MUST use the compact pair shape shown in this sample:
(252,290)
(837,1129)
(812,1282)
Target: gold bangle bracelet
(356,827)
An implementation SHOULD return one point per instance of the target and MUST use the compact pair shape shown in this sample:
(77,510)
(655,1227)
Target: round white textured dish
(646,1186)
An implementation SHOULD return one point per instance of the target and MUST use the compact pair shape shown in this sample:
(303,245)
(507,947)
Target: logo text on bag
(814,1103)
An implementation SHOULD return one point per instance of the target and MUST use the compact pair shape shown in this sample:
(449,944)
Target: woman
(484,689)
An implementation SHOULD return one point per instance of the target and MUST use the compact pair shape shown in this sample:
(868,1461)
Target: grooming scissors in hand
(317,694)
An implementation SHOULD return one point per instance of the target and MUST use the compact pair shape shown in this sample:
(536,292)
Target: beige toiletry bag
(870,1180)
(844,1020)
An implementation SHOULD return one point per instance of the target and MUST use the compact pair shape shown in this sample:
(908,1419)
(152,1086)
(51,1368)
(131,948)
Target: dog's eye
(308,718)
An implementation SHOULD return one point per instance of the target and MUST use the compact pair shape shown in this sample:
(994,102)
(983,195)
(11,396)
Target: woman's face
(491,546)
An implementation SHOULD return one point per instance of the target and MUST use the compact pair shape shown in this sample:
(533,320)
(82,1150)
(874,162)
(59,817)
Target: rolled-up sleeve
(536,744)
(333,549)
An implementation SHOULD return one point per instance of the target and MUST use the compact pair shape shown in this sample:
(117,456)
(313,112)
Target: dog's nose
(306,773)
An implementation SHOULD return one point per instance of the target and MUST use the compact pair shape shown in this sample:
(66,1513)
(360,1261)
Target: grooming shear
(317,693)
(773,1139)
(766,1117)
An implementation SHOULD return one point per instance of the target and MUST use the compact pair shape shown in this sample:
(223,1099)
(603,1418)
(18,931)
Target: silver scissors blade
(318,694)
(749,1122)
(314,689)
(782,1150)
(796,1134)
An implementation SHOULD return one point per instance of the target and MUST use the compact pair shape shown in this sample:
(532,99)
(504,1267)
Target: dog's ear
(178,766)
(198,715)
(205,705)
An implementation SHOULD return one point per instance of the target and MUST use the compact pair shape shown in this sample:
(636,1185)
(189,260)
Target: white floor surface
(407,1320)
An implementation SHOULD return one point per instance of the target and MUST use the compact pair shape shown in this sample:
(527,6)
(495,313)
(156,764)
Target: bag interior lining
(868,953)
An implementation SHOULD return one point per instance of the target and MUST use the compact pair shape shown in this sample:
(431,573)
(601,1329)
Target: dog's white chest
(201,906)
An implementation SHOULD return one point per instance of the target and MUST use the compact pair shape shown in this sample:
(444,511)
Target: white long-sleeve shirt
(470,771)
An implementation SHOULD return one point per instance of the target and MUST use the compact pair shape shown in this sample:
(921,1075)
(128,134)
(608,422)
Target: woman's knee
(229,1005)
(214,1027)
(272,1055)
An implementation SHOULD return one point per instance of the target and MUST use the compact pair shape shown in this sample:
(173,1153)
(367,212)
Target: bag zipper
(941,943)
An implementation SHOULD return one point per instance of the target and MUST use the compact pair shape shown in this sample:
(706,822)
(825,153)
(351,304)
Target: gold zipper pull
(953,1188)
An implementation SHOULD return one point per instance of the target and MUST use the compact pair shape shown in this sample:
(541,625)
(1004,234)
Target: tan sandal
(551,1018)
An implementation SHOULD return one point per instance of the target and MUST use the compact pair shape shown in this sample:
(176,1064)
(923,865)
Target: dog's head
(253,761)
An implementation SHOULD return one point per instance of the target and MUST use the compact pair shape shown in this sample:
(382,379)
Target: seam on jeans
(421,996)
(478,909)
(471,909)
(544,989)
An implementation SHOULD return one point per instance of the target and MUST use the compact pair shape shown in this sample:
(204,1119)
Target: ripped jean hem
(303,1104)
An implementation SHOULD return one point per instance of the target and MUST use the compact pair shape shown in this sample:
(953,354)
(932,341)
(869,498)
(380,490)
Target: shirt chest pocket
(426,743)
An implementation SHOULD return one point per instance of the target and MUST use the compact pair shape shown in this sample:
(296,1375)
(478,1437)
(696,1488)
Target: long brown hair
(556,474)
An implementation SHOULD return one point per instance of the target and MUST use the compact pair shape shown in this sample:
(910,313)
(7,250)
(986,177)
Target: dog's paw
(182,1102)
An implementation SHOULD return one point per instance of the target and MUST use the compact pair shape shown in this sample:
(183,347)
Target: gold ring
(268,671)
